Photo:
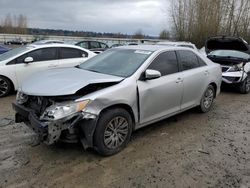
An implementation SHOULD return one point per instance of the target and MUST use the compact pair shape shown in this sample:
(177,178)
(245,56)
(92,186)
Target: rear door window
(188,60)
(94,44)
(68,53)
(84,45)
(166,63)
(103,45)
(201,62)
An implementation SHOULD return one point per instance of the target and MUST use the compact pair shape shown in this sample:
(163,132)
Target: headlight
(62,110)
(236,68)
(21,98)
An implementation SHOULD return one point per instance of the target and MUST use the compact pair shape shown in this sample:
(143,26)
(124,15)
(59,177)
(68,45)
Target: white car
(178,44)
(18,64)
(233,54)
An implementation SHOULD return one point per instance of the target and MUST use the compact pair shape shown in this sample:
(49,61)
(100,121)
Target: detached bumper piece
(29,118)
(67,130)
(48,132)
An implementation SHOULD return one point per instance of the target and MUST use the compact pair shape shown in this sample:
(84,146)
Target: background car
(94,46)
(233,54)
(3,49)
(116,45)
(48,42)
(16,41)
(106,98)
(19,63)
(179,44)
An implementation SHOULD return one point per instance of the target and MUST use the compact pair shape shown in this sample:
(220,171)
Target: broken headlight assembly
(61,110)
(21,98)
(236,68)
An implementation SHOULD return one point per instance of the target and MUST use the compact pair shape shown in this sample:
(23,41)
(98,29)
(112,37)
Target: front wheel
(5,86)
(113,131)
(245,86)
(207,99)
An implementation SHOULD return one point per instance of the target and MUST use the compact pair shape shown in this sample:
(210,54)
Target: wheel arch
(123,106)
(13,88)
(215,88)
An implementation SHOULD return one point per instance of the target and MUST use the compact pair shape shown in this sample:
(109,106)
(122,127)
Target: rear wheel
(245,85)
(113,131)
(5,86)
(207,99)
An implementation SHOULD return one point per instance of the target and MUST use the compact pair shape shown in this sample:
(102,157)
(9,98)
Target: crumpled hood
(226,43)
(65,81)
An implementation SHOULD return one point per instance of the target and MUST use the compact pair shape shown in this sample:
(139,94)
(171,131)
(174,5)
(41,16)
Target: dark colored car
(3,49)
(18,41)
(94,46)
(116,45)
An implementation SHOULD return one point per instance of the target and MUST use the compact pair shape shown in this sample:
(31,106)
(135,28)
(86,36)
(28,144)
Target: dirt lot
(188,150)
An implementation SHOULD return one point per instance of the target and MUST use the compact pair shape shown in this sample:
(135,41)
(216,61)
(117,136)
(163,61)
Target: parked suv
(233,54)
(18,64)
(106,98)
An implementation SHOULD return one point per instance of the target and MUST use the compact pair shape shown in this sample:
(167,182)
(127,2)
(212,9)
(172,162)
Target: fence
(109,41)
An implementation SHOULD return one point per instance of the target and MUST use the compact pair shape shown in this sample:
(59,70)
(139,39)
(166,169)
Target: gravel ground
(187,150)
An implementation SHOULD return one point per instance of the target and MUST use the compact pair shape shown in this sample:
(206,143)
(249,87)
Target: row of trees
(14,24)
(195,20)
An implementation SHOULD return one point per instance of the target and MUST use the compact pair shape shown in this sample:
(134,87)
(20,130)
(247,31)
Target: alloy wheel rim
(208,99)
(116,132)
(3,87)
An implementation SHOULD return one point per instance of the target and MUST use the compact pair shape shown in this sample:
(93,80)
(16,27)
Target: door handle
(179,80)
(52,66)
(206,73)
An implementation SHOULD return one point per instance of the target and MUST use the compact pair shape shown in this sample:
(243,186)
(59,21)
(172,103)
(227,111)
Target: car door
(162,96)
(195,78)
(71,57)
(43,59)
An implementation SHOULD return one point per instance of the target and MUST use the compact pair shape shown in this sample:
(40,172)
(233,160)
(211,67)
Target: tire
(207,99)
(5,86)
(113,131)
(244,87)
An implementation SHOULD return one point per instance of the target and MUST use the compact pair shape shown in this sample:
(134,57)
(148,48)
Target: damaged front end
(56,118)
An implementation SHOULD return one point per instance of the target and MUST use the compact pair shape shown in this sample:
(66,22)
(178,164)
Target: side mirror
(152,74)
(28,60)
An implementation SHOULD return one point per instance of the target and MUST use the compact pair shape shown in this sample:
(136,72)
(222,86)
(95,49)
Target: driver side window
(44,54)
(166,63)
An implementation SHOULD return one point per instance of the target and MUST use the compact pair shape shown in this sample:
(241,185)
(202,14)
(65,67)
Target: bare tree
(7,25)
(138,34)
(14,24)
(22,24)
(195,20)
(164,34)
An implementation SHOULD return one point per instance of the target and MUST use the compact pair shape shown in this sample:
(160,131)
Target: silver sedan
(102,101)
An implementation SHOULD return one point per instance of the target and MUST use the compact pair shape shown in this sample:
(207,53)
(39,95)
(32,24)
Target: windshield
(12,53)
(117,62)
(230,53)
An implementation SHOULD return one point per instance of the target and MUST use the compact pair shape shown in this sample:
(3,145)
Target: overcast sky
(125,16)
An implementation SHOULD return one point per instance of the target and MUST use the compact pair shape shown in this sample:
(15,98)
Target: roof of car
(51,45)
(149,47)
(40,42)
(175,43)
